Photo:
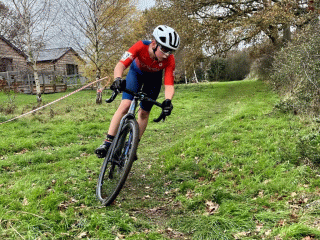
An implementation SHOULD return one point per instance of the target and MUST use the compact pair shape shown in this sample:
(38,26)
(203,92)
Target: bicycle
(121,154)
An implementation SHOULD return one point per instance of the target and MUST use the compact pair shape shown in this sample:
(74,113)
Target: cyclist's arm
(168,91)
(119,69)
(169,79)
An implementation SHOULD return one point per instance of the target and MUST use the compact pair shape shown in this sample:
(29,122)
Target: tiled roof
(52,54)
(46,55)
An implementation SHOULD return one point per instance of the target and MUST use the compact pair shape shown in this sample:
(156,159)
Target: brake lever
(161,117)
(113,96)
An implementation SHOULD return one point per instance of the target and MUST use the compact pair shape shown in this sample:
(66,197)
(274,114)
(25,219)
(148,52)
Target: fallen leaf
(167,183)
(293,194)
(146,197)
(156,209)
(62,206)
(241,234)
(259,227)
(168,230)
(282,222)
(212,207)
(83,235)
(307,238)
(267,233)
(120,236)
(189,194)
(267,181)
(25,202)
(201,179)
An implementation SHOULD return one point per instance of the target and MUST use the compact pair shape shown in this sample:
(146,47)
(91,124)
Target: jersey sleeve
(169,71)
(128,57)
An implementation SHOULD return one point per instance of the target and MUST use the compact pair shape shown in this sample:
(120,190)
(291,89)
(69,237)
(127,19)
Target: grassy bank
(225,165)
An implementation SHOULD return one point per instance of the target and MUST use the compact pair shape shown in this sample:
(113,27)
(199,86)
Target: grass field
(225,165)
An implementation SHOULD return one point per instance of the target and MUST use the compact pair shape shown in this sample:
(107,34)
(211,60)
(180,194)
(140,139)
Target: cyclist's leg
(115,121)
(143,117)
(152,86)
(133,84)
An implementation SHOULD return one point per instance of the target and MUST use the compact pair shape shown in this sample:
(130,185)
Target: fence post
(44,84)
(8,80)
(29,83)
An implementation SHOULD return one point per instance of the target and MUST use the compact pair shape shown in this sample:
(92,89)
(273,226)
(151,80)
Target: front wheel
(117,164)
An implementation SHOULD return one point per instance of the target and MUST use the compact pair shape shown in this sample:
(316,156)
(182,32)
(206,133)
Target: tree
(227,23)
(190,53)
(36,18)
(9,25)
(95,27)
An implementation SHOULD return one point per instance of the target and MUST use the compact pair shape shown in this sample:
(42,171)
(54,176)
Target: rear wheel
(117,164)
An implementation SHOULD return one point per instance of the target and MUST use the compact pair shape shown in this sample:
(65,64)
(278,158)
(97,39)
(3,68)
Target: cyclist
(148,59)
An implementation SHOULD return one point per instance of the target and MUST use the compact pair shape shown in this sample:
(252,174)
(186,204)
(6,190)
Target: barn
(57,68)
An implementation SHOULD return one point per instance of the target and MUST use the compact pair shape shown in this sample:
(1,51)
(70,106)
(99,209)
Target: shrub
(309,148)
(264,57)
(9,106)
(235,66)
(238,66)
(296,71)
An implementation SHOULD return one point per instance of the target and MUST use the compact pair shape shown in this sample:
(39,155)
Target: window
(72,69)
(6,64)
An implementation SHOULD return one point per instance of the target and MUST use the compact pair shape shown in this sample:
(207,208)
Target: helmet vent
(163,39)
(160,28)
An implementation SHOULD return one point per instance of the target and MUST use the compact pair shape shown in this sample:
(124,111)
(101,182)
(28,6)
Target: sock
(109,138)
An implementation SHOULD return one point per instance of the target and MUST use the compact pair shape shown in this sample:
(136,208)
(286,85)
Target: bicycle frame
(129,115)
(118,162)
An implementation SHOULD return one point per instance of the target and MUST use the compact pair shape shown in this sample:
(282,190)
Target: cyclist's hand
(167,107)
(118,84)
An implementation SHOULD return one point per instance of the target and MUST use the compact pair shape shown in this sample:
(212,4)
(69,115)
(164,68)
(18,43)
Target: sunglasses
(165,50)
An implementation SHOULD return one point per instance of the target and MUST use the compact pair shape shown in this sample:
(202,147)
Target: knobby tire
(113,172)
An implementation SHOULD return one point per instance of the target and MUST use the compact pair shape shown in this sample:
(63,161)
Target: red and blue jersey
(138,55)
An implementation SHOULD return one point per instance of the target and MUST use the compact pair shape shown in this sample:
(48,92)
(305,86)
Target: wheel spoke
(115,171)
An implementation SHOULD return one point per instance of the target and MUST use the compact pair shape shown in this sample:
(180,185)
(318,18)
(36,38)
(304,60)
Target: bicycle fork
(129,115)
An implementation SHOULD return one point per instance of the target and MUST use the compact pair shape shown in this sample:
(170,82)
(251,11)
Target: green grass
(224,145)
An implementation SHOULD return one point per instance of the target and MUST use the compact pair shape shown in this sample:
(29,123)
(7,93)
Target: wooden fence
(50,82)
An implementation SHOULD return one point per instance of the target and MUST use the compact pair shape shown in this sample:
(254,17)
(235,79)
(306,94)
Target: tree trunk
(286,34)
(99,89)
(185,76)
(36,79)
(195,75)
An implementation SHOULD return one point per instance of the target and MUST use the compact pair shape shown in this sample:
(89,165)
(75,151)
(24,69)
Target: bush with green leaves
(234,67)
(264,57)
(309,148)
(296,71)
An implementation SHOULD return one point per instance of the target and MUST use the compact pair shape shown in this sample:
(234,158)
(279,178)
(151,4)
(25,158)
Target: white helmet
(167,37)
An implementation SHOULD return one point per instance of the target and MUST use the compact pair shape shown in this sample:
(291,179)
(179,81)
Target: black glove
(118,84)
(167,107)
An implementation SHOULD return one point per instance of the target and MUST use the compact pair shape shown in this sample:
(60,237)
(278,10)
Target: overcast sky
(143,4)
(63,42)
